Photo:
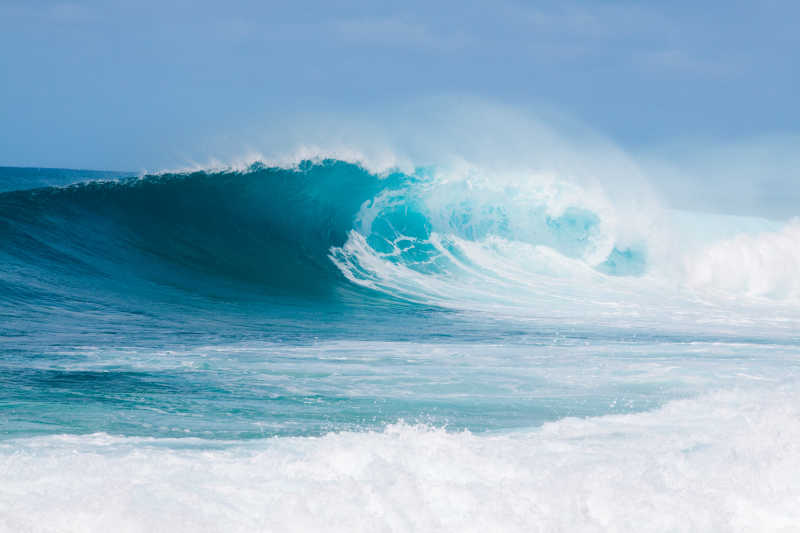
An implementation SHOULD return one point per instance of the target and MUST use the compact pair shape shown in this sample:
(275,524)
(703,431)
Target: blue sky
(127,84)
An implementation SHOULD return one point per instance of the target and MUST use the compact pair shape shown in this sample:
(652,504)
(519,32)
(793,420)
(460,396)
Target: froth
(763,264)
(724,462)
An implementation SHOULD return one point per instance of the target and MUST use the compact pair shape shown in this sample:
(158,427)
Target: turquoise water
(256,311)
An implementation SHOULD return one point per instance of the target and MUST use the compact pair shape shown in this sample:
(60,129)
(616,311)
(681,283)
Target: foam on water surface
(721,462)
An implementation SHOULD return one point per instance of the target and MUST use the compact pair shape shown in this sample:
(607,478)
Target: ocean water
(326,346)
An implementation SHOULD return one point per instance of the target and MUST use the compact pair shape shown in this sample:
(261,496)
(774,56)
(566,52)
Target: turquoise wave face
(269,227)
(274,301)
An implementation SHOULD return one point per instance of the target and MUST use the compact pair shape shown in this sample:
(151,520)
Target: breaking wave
(468,239)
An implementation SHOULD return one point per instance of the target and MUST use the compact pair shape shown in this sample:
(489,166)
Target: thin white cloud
(645,37)
(670,61)
(590,21)
(47,11)
(70,11)
(397,32)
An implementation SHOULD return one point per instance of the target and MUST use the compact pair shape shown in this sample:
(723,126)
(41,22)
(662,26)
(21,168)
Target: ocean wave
(466,238)
(267,226)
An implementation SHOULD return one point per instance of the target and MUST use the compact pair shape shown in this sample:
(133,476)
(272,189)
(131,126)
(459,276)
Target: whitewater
(326,343)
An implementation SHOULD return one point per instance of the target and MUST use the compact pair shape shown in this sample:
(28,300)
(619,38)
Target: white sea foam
(762,264)
(722,462)
(702,289)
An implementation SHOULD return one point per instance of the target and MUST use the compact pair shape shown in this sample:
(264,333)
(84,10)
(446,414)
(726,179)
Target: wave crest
(468,238)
